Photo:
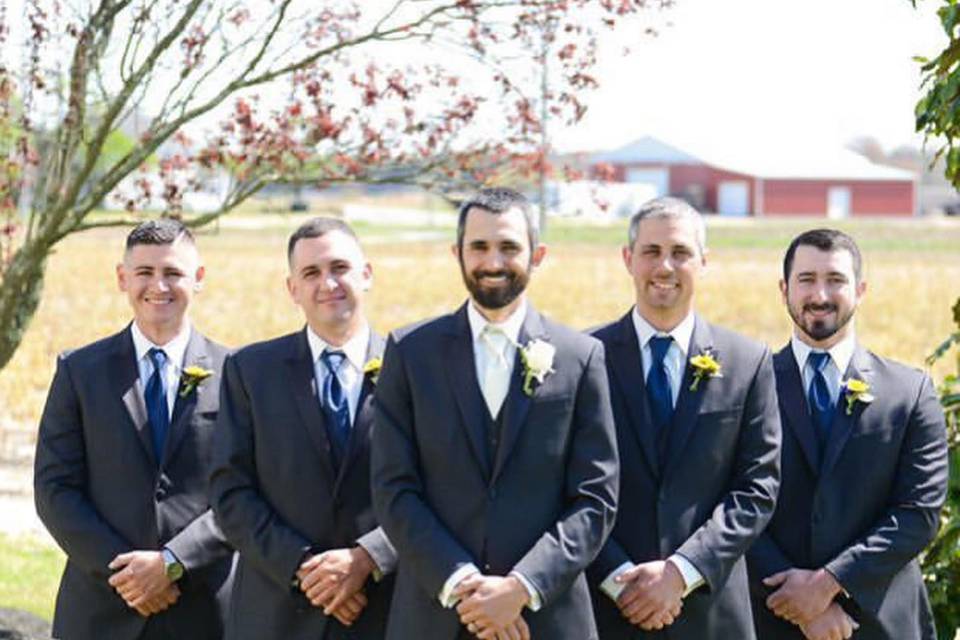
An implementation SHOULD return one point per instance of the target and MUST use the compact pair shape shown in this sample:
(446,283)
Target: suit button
(160,494)
(486,567)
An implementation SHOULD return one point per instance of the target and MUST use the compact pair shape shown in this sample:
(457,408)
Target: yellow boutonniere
(191,377)
(372,368)
(855,391)
(704,366)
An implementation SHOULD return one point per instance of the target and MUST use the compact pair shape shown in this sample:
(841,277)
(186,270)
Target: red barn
(835,185)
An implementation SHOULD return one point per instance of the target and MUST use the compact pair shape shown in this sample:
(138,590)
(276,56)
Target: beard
(495,297)
(820,329)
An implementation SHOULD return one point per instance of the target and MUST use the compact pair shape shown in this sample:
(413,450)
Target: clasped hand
(806,598)
(140,578)
(333,580)
(653,595)
(490,606)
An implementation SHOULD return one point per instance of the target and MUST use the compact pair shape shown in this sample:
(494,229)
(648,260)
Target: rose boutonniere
(372,368)
(191,377)
(855,391)
(704,366)
(537,359)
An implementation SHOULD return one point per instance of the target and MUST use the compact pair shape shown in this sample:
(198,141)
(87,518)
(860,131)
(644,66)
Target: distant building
(836,183)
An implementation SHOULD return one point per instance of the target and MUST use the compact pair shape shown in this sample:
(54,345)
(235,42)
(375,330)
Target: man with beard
(494,456)
(699,438)
(864,468)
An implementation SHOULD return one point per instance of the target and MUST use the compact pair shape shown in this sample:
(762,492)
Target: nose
(329,282)
(494,261)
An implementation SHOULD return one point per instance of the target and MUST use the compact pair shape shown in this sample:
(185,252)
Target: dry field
(913,275)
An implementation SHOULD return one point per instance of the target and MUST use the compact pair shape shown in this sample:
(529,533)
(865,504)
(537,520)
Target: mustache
(492,274)
(826,306)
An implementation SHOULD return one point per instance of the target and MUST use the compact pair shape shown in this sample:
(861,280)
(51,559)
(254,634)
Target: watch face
(174,571)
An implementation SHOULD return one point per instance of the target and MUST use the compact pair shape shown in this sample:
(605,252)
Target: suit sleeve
(200,543)
(765,558)
(748,505)
(247,519)
(421,539)
(378,545)
(60,491)
(866,568)
(569,546)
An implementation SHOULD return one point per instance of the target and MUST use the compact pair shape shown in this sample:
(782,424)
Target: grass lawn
(29,574)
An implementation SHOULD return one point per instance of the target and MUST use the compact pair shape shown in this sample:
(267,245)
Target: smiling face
(496,260)
(160,281)
(665,262)
(329,278)
(822,295)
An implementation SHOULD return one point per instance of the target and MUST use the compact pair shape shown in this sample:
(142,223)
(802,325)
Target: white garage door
(838,203)
(657,179)
(733,198)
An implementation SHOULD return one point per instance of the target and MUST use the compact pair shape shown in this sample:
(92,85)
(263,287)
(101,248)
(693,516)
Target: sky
(763,73)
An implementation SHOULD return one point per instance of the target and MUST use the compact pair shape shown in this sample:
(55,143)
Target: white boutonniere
(191,377)
(704,366)
(537,359)
(855,391)
(372,368)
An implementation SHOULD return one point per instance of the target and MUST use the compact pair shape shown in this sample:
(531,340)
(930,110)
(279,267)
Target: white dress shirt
(840,356)
(675,362)
(175,350)
(350,373)
(482,356)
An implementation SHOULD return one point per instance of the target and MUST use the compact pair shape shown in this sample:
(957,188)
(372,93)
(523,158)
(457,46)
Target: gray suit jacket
(864,505)
(277,493)
(705,491)
(541,503)
(101,491)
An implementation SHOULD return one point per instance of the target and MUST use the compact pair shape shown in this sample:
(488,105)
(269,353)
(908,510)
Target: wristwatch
(172,567)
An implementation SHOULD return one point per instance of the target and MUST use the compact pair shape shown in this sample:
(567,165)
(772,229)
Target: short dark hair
(824,240)
(316,227)
(499,200)
(159,232)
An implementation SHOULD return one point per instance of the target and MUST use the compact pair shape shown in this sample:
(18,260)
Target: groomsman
(699,437)
(121,467)
(291,479)
(864,468)
(494,457)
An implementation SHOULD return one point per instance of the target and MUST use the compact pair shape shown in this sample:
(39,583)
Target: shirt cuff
(446,594)
(691,577)
(377,573)
(535,601)
(610,587)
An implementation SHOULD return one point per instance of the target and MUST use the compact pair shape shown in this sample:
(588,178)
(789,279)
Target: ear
(455,251)
(627,254)
(367,276)
(861,290)
(198,278)
(538,255)
(783,291)
(121,277)
(292,288)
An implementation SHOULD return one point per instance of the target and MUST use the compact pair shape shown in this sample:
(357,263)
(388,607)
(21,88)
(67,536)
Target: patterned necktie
(155,397)
(659,392)
(818,395)
(335,408)
(496,374)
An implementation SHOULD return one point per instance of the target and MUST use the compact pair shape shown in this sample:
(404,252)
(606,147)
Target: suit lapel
(516,406)
(793,405)
(462,373)
(206,394)
(843,424)
(626,363)
(124,374)
(688,402)
(359,433)
(301,377)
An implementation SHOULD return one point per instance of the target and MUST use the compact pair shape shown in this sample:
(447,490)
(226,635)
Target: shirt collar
(841,353)
(355,349)
(175,349)
(510,327)
(681,334)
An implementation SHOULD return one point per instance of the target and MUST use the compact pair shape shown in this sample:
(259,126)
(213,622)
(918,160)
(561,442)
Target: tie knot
(333,360)
(659,346)
(819,360)
(158,357)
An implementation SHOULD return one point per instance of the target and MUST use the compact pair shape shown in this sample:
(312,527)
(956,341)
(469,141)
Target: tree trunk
(20,292)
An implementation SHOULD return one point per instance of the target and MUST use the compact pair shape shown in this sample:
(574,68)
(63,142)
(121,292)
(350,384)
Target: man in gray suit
(864,468)
(121,466)
(699,437)
(494,461)
(291,479)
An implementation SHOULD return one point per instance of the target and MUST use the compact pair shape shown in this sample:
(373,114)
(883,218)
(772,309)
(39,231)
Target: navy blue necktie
(155,397)
(335,408)
(818,395)
(658,384)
